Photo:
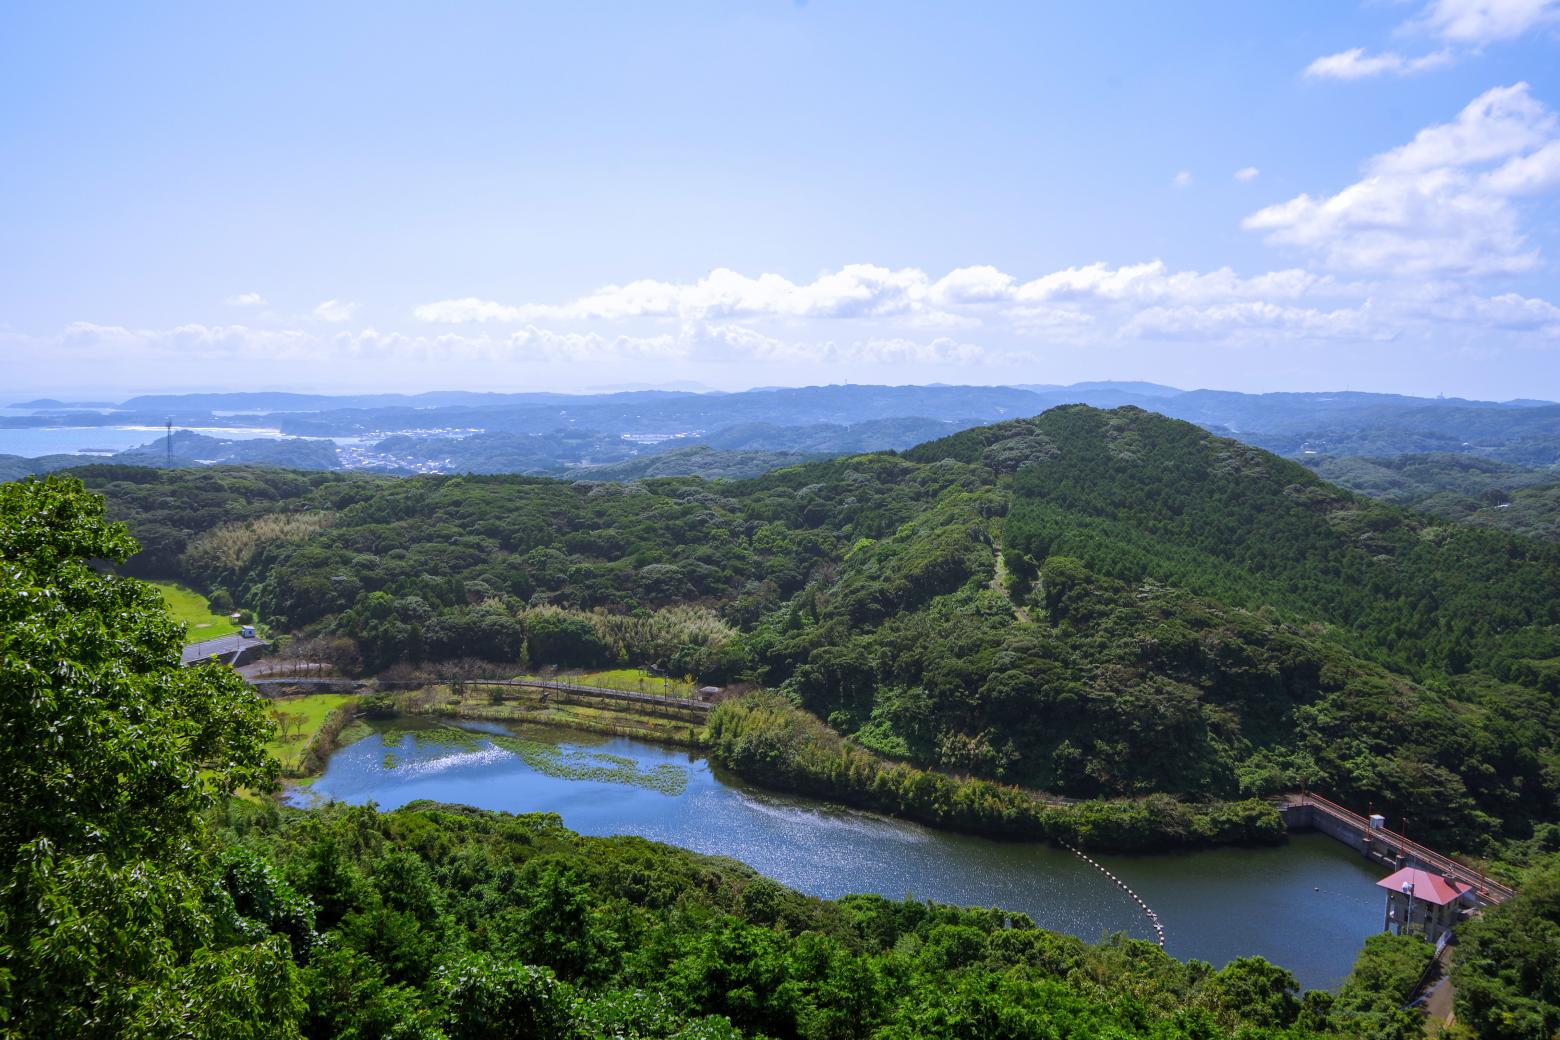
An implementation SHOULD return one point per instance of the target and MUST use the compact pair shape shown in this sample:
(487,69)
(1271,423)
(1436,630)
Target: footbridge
(225,649)
(1307,811)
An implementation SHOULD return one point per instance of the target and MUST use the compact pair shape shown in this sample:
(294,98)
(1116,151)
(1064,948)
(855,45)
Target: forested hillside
(1094,603)
(142,900)
(1521,499)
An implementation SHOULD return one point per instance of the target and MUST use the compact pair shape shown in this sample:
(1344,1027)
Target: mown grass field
(633,680)
(191,608)
(298,719)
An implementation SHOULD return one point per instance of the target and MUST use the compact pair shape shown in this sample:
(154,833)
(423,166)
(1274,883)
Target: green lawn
(191,608)
(298,719)
(629,680)
(634,680)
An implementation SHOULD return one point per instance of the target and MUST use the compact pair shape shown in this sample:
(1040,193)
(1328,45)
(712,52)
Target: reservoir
(1307,905)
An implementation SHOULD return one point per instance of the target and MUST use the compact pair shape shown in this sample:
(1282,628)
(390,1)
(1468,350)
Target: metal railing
(1488,890)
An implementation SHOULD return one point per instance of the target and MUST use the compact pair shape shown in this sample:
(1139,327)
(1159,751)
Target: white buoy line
(1153,918)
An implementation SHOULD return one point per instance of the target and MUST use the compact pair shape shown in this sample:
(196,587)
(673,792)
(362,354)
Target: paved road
(1440,1004)
(223,646)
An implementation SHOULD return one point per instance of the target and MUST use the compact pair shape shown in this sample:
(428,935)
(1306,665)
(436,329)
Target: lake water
(1307,905)
(70,440)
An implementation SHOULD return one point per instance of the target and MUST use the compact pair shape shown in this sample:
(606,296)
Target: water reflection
(1307,906)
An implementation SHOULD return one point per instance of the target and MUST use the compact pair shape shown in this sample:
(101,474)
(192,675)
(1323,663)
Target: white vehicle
(248,631)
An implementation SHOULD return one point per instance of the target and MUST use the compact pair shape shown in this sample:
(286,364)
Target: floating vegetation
(579,764)
(566,762)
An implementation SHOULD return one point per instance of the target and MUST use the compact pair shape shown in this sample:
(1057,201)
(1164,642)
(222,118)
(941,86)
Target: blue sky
(396,196)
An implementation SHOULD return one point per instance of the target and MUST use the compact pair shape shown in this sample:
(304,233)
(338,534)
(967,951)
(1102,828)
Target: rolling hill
(1095,603)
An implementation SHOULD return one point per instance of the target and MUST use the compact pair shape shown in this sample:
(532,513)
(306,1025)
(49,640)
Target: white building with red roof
(1425,902)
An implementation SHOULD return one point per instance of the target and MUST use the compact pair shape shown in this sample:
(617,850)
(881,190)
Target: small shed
(1424,902)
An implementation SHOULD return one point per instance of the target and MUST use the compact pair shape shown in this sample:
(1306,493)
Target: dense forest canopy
(1522,499)
(1095,603)
(141,900)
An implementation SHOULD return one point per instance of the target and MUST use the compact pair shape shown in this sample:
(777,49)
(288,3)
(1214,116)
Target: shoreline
(1137,827)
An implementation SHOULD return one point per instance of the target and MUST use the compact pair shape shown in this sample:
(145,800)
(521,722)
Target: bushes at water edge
(766,739)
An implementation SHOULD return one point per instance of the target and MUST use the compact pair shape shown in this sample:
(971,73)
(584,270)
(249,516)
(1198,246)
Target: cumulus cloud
(1228,320)
(1354,63)
(1460,25)
(1247,174)
(1505,312)
(1443,203)
(854,291)
(335,310)
(1478,22)
(1153,282)
(908,295)
(963,285)
(247,299)
(1183,179)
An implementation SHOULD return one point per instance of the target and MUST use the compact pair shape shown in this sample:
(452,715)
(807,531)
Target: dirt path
(999,582)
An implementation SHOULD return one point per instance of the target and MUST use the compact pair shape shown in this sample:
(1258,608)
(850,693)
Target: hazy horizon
(117,397)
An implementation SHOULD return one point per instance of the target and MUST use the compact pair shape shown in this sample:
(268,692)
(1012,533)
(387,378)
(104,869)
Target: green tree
(487,997)
(1507,970)
(109,756)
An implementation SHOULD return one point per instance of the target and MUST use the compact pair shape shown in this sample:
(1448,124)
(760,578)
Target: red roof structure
(1432,888)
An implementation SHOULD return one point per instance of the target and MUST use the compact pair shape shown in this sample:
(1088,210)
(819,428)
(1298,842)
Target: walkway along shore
(1153,918)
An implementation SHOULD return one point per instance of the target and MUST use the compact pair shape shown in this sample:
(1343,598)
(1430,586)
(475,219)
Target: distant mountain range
(549,433)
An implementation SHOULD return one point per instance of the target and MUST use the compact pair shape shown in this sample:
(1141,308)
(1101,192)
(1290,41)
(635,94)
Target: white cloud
(963,297)
(1247,174)
(247,299)
(1153,282)
(1443,203)
(1183,179)
(1356,64)
(335,310)
(1531,174)
(1260,318)
(1477,22)
(854,291)
(983,284)
(1508,312)
(1461,25)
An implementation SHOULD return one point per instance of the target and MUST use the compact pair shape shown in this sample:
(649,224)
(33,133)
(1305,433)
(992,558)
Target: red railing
(1489,891)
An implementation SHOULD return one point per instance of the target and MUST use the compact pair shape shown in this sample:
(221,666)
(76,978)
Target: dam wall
(1384,847)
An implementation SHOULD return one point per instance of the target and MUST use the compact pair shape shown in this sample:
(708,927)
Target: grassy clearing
(634,680)
(614,718)
(297,720)
(191,607)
